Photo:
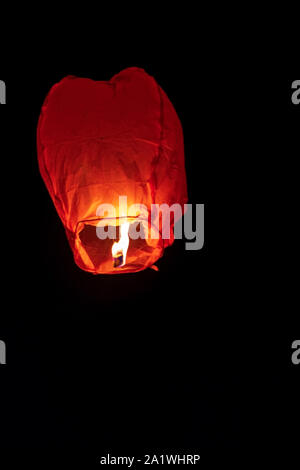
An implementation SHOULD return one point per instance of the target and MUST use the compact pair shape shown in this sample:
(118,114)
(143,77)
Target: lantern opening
(98,254)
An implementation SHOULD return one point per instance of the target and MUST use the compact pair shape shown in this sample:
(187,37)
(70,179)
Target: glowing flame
(119,249)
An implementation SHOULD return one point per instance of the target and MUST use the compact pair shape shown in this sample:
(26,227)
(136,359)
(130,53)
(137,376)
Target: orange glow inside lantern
(98,141)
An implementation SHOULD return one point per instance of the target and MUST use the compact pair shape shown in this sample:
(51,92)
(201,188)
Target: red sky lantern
(100,140)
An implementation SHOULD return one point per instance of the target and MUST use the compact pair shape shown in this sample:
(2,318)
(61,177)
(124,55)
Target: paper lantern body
(98,140)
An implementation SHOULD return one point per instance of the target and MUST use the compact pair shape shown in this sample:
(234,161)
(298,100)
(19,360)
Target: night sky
(195,358)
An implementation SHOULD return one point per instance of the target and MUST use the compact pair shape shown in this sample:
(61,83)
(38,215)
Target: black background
(196,357)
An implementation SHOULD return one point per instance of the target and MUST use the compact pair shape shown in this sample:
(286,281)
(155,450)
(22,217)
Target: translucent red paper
(98,140)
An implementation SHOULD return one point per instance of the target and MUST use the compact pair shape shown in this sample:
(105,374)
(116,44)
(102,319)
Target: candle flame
(119,249)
